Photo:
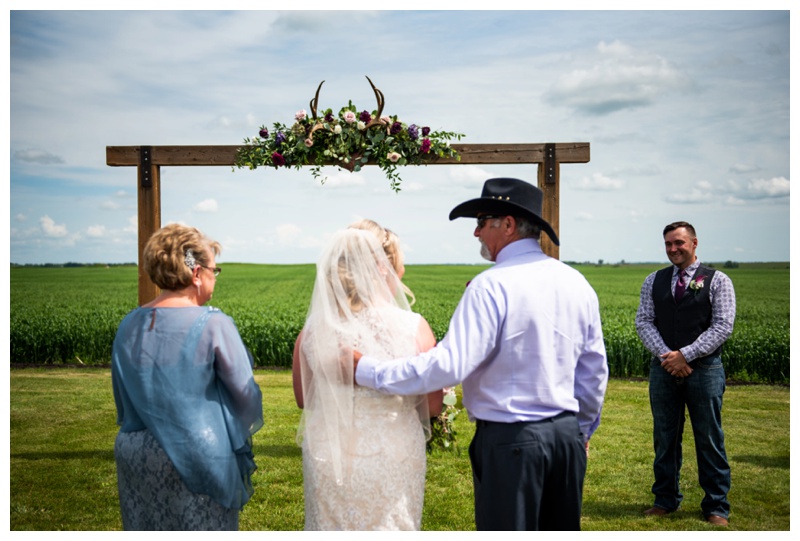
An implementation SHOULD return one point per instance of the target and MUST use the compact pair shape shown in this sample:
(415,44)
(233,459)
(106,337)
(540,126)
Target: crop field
(70,315)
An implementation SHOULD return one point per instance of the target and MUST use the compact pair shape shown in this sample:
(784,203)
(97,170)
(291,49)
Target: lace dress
(383,483)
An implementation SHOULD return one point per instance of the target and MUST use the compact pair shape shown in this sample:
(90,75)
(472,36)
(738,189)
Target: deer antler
(379,97)
(315,102)
(313,105)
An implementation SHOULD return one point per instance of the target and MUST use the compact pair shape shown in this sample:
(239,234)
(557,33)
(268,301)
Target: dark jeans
(528,475)
(700,393)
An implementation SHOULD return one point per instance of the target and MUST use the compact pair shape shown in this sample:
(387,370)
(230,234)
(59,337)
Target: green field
(63,476)
(70,315)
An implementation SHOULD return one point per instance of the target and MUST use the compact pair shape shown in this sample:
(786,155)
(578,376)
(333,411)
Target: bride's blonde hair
(391,247)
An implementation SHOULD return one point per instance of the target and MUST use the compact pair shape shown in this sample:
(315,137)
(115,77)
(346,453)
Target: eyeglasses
(215,270)
(482,219)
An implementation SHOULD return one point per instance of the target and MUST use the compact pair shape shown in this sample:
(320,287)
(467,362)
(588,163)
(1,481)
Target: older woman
(187,403)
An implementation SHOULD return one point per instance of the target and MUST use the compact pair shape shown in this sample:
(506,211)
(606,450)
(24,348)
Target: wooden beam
(547,156)
(470,154)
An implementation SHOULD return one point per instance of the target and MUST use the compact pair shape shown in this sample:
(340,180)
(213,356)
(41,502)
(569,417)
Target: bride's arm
(297,379)
(425,341)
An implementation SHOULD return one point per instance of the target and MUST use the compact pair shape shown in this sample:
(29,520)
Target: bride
(363,451)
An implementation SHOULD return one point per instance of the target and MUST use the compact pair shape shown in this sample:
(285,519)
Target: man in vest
(686,313)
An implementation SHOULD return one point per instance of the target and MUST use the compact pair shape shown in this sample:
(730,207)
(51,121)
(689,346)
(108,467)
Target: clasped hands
(675,363)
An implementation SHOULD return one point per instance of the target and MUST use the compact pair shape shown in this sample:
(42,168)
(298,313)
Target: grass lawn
(62,473)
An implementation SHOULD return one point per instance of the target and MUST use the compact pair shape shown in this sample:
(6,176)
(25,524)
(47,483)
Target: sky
(686,112)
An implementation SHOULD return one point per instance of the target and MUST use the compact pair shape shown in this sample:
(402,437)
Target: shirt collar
(690,270)
(517,248)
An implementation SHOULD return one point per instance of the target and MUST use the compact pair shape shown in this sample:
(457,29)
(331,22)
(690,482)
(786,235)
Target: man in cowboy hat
(527,343)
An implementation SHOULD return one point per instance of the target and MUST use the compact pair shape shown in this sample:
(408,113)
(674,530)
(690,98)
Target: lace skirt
(385,481)
(152,495)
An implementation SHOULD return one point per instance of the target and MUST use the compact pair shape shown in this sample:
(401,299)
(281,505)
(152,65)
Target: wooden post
(149,203)
(548,180)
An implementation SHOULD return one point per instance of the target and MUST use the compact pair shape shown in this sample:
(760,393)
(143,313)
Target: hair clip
(190,261)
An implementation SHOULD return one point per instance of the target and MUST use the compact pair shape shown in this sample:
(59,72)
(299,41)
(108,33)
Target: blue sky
(687,114)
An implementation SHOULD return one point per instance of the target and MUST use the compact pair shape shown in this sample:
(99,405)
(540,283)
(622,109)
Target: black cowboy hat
(507,197)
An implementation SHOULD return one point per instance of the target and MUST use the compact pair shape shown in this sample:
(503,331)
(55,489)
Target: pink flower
(349,117)
(300,115)
(309,142)
(393,156)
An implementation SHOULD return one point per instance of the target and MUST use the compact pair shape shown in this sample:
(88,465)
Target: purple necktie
(680,286)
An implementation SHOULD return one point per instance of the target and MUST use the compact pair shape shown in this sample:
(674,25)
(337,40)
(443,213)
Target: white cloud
(109,205)
(598,182)
(20,217)
(741,168)
(341,179)
(767,188)
(695,196)
(617,77)
(96,231)
(292,235)
(133,225)
(206,205)
(287,233)
(51,229)
(37,155)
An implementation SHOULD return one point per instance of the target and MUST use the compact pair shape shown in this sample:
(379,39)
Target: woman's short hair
(165,255)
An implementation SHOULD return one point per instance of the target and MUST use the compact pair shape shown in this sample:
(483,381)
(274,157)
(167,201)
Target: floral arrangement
(349,139)
(443,431)
(697,284)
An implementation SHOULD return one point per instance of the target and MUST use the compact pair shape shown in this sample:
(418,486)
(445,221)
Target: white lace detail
(384,480)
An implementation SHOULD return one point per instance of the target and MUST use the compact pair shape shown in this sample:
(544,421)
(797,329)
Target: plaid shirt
(723,312)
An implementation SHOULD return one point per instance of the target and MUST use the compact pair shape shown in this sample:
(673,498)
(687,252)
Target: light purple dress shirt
(525,340)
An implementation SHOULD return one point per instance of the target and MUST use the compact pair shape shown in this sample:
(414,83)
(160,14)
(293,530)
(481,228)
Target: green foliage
(444,434)
(60,315)
(350,140)
(62,474)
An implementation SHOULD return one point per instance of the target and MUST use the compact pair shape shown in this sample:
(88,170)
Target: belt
(562,415)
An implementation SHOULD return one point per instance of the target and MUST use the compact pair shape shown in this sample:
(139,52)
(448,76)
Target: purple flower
(280,138)
(426,146)
(329,117)
(365,116)
(263,133)
(425,131)
(278,159)
(413,132)
(396,128)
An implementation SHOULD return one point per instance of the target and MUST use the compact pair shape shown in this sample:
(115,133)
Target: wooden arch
(150,159)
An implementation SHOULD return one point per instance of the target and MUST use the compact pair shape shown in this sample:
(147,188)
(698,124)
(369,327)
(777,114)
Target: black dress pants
(528,475)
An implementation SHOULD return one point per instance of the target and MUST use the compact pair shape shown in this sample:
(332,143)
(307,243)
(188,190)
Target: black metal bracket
(145,162)
(550,163)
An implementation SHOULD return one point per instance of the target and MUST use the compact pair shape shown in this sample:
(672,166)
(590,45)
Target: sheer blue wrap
(185,375)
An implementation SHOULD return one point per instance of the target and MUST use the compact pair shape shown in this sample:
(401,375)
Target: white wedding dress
(381,481)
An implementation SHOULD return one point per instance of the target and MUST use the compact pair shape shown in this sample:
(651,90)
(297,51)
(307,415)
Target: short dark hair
(677,225)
